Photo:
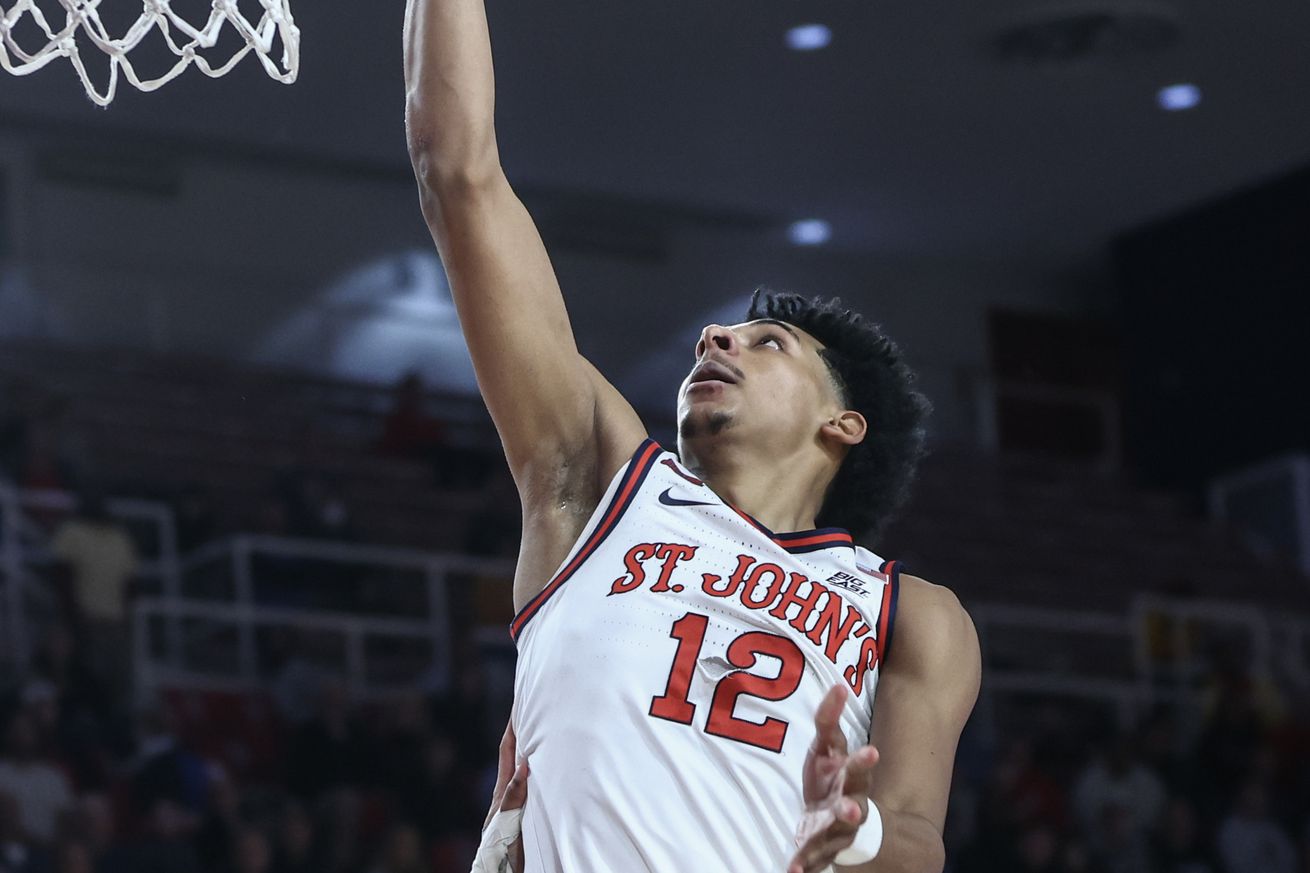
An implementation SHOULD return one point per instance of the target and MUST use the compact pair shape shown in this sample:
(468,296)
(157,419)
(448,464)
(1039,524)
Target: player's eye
(770,338)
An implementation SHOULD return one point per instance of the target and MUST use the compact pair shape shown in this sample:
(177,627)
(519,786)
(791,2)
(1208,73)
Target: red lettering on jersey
(749,597)
(672,554)
(867,660)
(636,574)
(711,584)
(834,625)
(790,597)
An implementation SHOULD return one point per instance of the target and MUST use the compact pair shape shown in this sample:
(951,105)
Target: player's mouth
(710,372)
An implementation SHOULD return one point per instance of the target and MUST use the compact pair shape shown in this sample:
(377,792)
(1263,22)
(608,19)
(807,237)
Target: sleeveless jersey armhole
(602,523)
(892,569)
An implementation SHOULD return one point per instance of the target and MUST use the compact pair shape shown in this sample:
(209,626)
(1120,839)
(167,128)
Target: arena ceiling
(909,133)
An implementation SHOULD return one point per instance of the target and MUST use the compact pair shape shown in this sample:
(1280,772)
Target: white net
(190,44)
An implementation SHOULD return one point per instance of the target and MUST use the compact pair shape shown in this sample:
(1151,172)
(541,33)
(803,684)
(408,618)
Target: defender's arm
(561,424)
(926,690)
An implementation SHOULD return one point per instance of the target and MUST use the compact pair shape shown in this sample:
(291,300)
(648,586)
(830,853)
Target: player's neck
(781,492)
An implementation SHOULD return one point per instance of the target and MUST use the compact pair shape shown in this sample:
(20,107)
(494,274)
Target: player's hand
(497,853)
(836,786)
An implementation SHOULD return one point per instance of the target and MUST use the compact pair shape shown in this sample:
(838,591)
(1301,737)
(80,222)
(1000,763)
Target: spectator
(251,852)
(408,431)
(166,771)
(339,815)
(295,680)
(74,856)
(402,852)
(1240,711)
(1162,750)
(1039,850)
(326,752)
(41,787)
(103,560)
(1178,847)
(297,850)
(1117,800)
(1030,794)
(44,461)
(163,847)
(465,709)
(86,730)
(436,796)
(1117,842)
(1250,841)
(95,826)
(220,829)
(17,852)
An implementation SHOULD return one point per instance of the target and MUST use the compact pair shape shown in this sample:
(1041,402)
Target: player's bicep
(537,386)
(926,692)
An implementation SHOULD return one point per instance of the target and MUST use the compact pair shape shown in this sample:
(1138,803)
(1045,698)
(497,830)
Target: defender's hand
(836,789)
(502,837)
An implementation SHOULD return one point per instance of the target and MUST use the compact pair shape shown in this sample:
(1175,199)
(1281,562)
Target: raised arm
(564,429)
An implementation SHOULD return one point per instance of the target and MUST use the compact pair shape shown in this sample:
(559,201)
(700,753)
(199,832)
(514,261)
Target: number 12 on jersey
(743,653)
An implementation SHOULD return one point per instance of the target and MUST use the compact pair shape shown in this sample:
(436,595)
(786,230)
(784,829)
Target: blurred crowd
(1225,789)
(95,779)
(91,784)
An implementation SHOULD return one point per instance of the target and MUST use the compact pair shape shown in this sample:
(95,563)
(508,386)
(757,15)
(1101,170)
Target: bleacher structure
(1082,585)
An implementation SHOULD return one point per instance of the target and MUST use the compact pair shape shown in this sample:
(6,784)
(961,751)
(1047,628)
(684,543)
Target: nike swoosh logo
(669,500)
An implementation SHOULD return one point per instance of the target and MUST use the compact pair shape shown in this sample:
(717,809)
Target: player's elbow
(450,164)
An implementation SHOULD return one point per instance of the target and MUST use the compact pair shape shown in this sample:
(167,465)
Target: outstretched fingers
(859,772)
(828,738)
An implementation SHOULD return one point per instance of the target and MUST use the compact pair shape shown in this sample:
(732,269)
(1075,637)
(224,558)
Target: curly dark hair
(871,378)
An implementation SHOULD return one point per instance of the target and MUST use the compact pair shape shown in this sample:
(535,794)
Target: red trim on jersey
(800,541)
(673,465)
(889,593)
(642,461)
(891,619)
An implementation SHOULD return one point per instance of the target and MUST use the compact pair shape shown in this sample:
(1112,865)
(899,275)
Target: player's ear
(846,427)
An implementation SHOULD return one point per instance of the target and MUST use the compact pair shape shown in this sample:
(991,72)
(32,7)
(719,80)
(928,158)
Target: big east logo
(819,613)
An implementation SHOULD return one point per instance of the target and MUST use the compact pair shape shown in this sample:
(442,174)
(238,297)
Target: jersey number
(743,653)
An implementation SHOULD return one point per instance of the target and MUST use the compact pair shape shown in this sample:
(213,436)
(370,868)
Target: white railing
(243,609)
(219,587)
(1174,678)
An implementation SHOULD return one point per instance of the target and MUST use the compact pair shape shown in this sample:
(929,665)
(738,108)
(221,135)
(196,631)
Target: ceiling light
(809,232)
(809,37)
(1176,98)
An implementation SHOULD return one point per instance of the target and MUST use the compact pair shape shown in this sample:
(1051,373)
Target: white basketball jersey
(669,673)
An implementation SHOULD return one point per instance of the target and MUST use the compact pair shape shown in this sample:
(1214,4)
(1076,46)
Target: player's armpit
(926,690)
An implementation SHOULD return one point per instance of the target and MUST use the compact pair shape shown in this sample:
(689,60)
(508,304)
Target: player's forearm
(449,91)
(910,844)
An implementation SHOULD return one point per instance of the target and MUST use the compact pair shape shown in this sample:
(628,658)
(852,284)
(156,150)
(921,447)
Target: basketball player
(696,657)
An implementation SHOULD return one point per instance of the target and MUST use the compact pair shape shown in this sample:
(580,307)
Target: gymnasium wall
(120,245)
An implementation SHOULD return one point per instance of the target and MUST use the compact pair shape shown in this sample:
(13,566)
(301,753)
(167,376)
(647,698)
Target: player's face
(763,378)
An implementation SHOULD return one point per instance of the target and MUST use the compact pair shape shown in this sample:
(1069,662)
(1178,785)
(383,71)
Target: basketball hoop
(184,40)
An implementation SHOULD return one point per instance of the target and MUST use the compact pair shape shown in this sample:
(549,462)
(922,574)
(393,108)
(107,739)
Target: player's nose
(716,336)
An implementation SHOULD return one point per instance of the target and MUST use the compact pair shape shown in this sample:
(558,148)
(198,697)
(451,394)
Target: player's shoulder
(932,626)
